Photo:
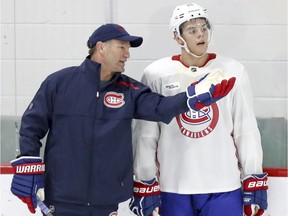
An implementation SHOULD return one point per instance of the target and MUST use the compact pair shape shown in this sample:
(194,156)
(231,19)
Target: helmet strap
(187,49)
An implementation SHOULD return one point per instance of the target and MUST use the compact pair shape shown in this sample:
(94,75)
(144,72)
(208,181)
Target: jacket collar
(93,70)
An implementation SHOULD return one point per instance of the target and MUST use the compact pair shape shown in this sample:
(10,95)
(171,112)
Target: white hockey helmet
(185,13)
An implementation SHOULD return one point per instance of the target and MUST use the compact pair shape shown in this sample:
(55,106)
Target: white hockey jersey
(204,151)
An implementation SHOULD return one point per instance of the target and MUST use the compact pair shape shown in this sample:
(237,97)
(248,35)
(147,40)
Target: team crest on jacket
(198,124)
(114,99)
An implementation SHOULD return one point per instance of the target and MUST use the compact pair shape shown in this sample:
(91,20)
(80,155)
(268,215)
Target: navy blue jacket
(88,151)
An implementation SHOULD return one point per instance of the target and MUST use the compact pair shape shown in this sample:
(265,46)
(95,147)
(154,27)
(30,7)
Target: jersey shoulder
(162,67)
(228,65)
(229,62)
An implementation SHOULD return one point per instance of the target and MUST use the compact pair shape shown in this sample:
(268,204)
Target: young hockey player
(208,161)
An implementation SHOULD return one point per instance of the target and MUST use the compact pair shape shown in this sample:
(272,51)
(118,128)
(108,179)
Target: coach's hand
(146,199)
(28,179)
(209,89)
(255,188)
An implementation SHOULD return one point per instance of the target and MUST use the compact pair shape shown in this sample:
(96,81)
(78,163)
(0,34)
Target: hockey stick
(43,207)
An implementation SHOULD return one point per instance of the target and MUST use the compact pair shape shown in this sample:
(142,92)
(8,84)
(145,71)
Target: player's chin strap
(187,49)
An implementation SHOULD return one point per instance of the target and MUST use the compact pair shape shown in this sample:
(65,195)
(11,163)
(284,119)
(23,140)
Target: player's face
(116,53)
(196,34)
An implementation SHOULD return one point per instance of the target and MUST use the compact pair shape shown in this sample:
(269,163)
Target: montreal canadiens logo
(114,99)
(204,120)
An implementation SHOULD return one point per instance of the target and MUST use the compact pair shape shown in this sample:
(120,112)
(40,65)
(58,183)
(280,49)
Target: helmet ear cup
(208,24)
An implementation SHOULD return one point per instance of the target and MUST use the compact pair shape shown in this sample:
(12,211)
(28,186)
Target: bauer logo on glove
(255,188)
(147,190)
(146,200)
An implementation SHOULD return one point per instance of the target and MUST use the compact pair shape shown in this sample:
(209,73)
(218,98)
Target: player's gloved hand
(28,179)
(146,199)
(255,188)
(209,89)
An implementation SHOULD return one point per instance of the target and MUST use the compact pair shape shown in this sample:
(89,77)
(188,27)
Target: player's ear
(178,39)
(100,47)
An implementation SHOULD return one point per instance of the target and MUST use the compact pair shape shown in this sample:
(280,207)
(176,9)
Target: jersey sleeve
(145,138)
(246,133)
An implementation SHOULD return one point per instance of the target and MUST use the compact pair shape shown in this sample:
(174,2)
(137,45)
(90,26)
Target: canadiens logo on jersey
(198,124)
(114,99)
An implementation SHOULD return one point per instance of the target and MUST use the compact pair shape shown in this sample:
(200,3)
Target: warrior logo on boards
(198,124)
(114,99)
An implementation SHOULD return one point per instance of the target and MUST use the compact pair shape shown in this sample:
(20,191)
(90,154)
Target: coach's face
(115,54)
